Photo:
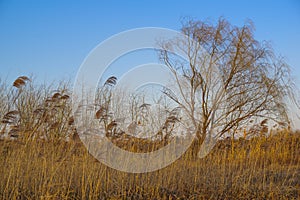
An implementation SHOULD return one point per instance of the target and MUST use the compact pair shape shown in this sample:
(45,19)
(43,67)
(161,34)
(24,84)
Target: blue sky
(50,39)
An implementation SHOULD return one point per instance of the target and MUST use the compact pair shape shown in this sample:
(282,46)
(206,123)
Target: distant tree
(229,78)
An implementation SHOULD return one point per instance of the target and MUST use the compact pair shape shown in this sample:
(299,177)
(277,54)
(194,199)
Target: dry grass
(261,168)
(40,164)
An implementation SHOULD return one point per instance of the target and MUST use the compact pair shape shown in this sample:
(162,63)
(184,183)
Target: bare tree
(229,78)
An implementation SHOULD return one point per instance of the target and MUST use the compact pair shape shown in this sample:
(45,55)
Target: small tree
(229,78)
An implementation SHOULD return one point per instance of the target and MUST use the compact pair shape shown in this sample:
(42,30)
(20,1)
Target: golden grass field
(260,168)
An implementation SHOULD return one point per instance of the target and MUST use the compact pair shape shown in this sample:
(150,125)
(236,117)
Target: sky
(49,40)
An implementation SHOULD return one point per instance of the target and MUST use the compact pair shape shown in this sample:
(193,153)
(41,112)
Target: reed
(38,161)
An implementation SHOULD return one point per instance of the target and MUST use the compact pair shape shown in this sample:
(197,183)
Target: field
(41,159)
(259,168)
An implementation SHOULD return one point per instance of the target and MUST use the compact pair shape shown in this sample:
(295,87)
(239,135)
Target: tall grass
(261,168)
(40,166)
(34,111)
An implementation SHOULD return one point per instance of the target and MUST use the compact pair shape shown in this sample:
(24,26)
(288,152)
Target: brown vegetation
(260,168)
(37,162)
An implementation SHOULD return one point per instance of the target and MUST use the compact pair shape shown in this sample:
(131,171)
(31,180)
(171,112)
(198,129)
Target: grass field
(260,168)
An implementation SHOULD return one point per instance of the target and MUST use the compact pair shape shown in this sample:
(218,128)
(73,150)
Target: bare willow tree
(229,80)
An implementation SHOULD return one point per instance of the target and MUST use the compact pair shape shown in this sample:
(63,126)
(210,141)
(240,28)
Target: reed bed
(40,159)
(260,168)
